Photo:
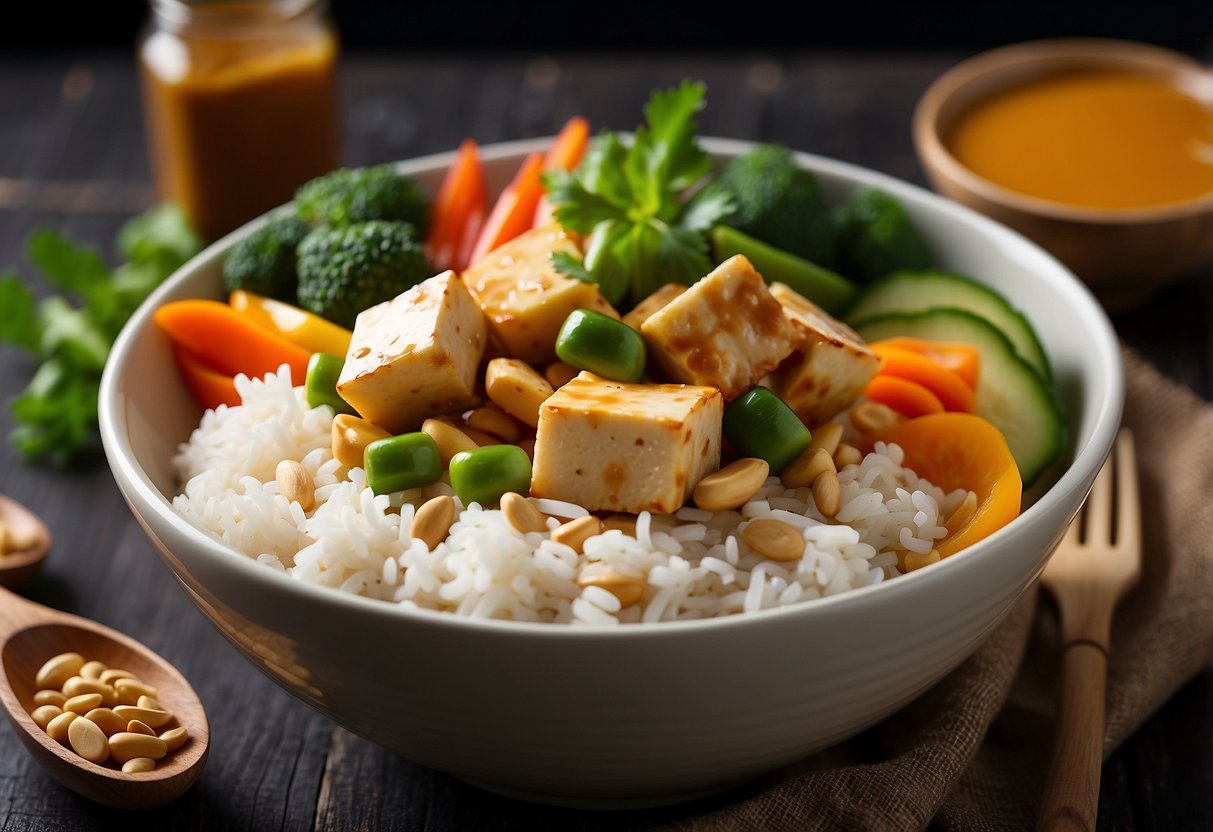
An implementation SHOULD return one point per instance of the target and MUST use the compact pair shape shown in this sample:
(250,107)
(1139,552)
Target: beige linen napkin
(972,752)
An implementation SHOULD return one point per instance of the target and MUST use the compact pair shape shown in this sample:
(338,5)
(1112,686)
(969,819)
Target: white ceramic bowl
(642,714)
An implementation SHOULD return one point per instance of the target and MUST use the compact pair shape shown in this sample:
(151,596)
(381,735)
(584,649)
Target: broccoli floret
(264,261)
(360,194)
(876,237)
(779,203)
(346,269)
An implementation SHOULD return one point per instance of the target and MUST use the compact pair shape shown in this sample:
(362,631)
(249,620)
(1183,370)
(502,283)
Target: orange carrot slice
(960,450)
(291,323)
(565,153)
(210,388)
(909,398)
(947,385)
(458,210)
(227,341)
(962,359)
(515,209)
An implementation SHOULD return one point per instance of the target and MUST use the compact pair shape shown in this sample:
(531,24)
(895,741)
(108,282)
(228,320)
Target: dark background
(455,27)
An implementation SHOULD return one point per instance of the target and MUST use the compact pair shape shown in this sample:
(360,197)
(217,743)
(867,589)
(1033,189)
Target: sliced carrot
(962,359)
(210,388)
(458,210)
(515,208)
(960,450)
(946,384)
(909,398)
(296,325)
(227,341)
(565,153)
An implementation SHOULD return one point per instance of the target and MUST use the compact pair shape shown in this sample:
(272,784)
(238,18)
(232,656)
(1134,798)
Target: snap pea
(483,475)
(590,340)
(399,462)
(759,424)
(323,370)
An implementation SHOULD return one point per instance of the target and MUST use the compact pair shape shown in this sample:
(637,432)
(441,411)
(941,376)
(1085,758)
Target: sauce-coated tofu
(644,310)
(830,368)
(415,356)
(611,446)
(526,300)
(726,331)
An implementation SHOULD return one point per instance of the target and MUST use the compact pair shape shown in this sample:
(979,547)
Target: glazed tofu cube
(415,356)
(611,446)
(644,310)
(725,331)
(831,366)
(525,299)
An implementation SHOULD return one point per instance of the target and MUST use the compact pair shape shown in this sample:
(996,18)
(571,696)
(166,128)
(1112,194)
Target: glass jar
(240,104)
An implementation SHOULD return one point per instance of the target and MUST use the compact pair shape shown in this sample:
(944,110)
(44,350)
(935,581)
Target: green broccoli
(346,269)
(264,261)
(779,203)
(876,237)
(355,195)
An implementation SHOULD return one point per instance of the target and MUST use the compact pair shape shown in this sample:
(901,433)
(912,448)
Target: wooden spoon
(18,524)
(29,635)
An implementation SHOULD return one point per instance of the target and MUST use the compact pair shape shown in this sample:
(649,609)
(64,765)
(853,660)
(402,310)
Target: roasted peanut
(449,439)
(522,514)
(433,520)
(351,435)
(774,539)
(732,486)
(296,483)
(575,533)
(516,388)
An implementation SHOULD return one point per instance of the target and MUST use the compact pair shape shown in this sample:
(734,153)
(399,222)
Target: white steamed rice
(695,563)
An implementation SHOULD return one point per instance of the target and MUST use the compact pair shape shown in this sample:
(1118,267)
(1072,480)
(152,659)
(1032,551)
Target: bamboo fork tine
(1128,497)
(1098,511)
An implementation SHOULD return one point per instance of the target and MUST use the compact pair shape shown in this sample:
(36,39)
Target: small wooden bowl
(1124,255)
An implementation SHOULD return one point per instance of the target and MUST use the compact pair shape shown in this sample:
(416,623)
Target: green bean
(592,341)
(483,475)
(399,462)
(759,424)
(323,370)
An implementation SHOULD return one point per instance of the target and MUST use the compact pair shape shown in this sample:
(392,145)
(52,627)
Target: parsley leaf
(630,202)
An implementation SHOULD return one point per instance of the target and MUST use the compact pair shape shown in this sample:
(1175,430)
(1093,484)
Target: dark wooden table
(72,156)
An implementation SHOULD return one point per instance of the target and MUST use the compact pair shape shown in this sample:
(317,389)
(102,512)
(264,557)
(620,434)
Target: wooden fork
(1088,575)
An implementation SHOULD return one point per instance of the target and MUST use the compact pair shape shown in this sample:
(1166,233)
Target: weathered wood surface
(72,156)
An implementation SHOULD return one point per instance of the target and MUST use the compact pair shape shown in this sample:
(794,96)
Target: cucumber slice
(1010,394)
(832,292)
(917,291)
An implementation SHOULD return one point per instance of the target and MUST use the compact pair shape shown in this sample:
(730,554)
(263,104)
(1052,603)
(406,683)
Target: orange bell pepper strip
(227,341)
(296,325)
(947,385)
(458,210)
(909,398)
(210,388)
(515,209)
(960,450)
(565,153)
(962,359)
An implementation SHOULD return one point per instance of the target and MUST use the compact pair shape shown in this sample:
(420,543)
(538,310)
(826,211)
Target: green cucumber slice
(1010,394)
(918,291)
(832,292)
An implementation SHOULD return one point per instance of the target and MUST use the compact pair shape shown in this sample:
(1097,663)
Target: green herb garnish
(629,200)
(71,333)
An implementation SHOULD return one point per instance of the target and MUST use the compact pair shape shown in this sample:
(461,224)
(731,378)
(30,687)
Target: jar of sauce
(240,104)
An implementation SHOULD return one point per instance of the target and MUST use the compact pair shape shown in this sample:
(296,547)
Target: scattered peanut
(135,765)
(575,533)
(558,374)
(827,437)
(917,560)
(351,435)
(522,514)
(137,727)
(807,467)
(296,483)
(626,588)
(625,523)
(827,493)
(83,703)
(126,746)
(516,388)
(152,718)
(149,703)
(962,515)
(481,438)
(108,721)
(43,714)
(78,685)
(129,691)
(774,539)
(175,738)
(92,670)
(58,670)
(732,486)
(493,420)
(873,416)
(57,728)
(114,674)
(49,697)
(88,740)
(847,455)
(433,520)
(449,439)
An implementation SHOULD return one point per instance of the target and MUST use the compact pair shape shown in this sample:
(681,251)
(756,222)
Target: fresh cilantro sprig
(630,203)
(71,333)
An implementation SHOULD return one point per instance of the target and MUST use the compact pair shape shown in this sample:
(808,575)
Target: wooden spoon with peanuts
(24,542)
(30,635)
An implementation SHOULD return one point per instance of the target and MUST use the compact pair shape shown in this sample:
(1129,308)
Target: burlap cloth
(971,753)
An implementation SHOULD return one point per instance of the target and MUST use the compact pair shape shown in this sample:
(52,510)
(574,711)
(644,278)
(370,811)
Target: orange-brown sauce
(1098,139)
